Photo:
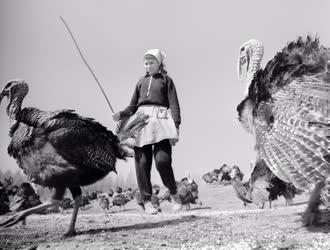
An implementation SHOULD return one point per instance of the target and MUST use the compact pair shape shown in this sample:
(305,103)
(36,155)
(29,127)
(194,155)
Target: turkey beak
(3,94)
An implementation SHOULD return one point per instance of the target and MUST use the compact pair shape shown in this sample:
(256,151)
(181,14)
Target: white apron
(161,126)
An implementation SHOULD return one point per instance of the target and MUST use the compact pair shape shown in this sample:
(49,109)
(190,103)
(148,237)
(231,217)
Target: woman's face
(151,65)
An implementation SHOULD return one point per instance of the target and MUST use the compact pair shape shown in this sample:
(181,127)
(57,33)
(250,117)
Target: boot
(176,202)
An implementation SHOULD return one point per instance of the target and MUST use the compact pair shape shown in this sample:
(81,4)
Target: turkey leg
(311,215)
(76,195)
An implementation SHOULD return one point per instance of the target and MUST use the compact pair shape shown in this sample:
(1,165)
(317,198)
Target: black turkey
(61,149)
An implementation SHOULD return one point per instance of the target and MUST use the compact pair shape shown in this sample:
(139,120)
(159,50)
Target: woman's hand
(116,116)
(174,141)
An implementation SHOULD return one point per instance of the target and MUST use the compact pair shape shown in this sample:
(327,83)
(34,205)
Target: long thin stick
(83,58)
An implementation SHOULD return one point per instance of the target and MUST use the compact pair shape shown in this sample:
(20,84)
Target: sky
(201,40)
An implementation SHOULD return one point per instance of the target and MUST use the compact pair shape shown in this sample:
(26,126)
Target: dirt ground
(221,223)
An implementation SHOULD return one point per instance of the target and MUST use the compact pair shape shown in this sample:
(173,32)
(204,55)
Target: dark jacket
(161,92)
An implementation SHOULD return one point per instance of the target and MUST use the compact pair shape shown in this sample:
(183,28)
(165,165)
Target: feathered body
(138,197)
(155,202)
(217,175)
(25,198)
(263,186)
(62,149)
(155,189)
(266,186)
(110,193)
(119,190)
(288,110)
(187,189)
(224,173)
(4,201)
(66,204)
(84,201)
(91,195)
(236,173)
(120,200)
(104,202)
(209,178)
(242,191)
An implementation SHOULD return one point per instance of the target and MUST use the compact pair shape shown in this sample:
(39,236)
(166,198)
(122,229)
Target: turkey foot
(311,216)
(70,233)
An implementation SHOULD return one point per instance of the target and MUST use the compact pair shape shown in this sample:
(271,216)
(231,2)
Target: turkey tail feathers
(297,145)
(127,129)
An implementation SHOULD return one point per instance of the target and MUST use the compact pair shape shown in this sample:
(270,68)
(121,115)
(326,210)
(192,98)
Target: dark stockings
(162,152)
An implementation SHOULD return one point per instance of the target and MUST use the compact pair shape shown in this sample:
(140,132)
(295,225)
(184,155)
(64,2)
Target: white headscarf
(157,53)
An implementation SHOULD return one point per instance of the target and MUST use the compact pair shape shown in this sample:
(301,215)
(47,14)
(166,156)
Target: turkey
(287,109)
(91,195)
(155,200)
(188,192)
(236,173)
(9,188)
(25,198)
(137,196)
(224,176)
(11,191)
(110,193)
(4,201)
(209,178)
(61,149)
(242,191)
(120,200)
(119,190)
(156,189)
(84,201)
(66,204)
(104,202)
(264,186)
(129,193)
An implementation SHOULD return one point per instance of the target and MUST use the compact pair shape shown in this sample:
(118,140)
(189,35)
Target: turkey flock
(286,106)
(223,175)
(15,198)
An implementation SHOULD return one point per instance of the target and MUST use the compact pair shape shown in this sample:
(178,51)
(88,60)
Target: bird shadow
(143,226)
(322,228)
(324,223)
(122,211)
(298,204)
(198,208)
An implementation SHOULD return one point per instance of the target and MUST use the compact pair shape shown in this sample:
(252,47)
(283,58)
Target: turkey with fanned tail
(62,149)
(287,108)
